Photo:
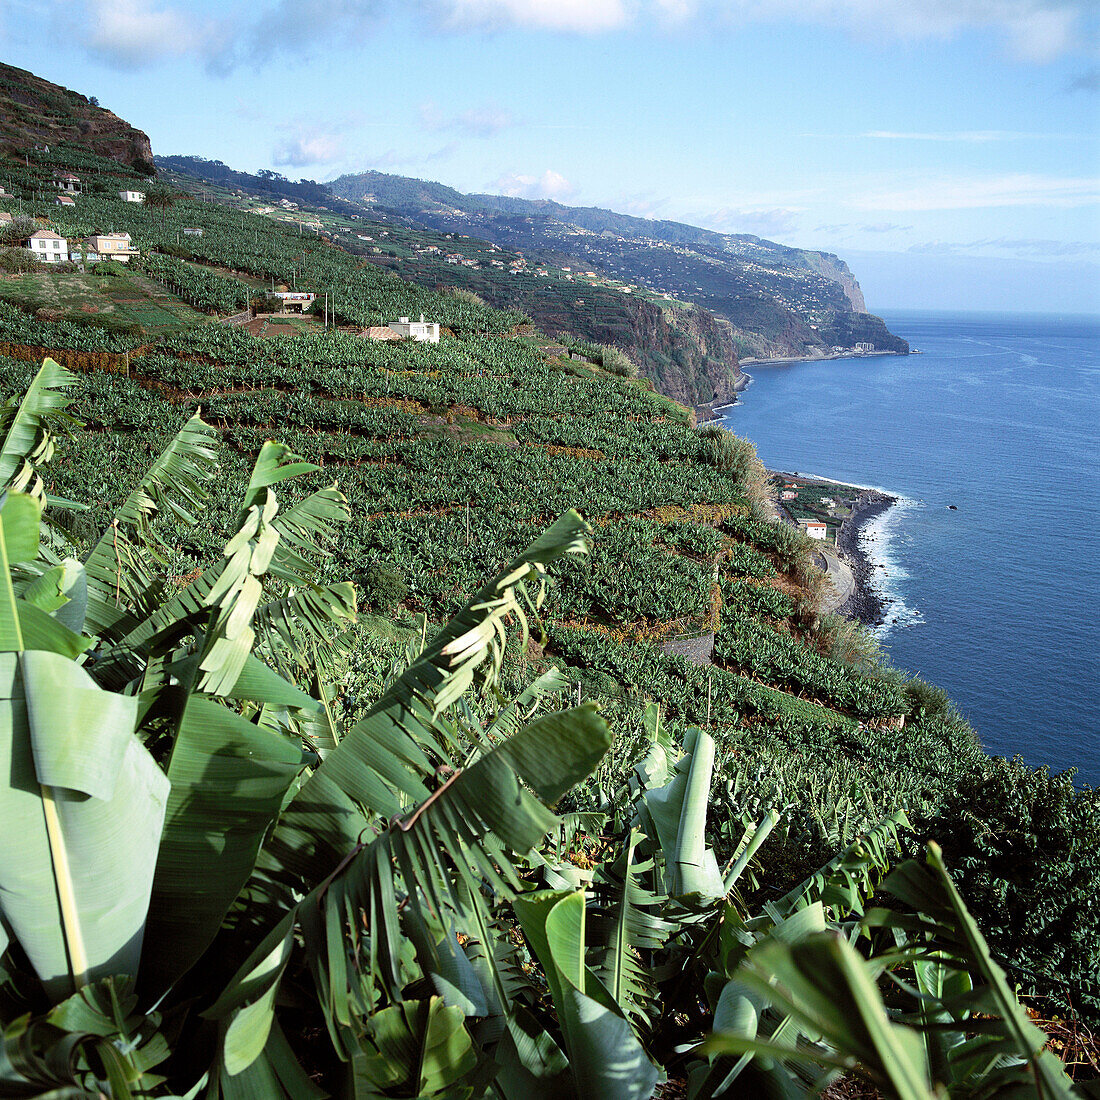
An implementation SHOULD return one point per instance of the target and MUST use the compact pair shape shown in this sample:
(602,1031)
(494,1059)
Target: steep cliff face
(687,353)
(35,112)
(834,268)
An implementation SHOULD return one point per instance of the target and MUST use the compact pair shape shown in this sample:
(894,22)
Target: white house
(789,494)
(132,196)
(65,200)
(815,529)
(47,247)
(192,231)
(66,181)
(420,331)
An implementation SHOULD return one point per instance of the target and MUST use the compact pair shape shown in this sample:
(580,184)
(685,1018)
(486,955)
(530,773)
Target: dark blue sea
(999,601)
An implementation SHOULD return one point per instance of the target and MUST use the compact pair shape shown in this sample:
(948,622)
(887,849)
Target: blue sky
(949,148)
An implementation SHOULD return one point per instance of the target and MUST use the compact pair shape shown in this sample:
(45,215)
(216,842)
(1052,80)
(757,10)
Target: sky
(948,149)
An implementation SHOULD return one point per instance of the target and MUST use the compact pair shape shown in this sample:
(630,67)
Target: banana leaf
(87,802)
(605,1057)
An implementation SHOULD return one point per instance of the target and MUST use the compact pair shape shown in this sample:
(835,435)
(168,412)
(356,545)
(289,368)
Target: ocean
(998,601)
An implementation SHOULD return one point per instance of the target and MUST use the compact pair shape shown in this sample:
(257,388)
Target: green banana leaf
(385,756)
(228,779)
(604,1054)
(675,816)
(121,567)
(28,436)
(87,802)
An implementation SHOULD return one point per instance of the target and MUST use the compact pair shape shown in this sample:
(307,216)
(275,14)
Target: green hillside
(454,459)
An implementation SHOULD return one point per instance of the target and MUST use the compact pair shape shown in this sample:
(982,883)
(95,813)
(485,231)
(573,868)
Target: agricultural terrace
(109,300)
(454,456)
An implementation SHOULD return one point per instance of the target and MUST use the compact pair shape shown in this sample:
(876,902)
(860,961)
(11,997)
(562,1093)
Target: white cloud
(136,33)
(777,221)
(550,185)
(1020,189)
(977,137)
(1035,30)
(304,149)
(476,122)
(585,16)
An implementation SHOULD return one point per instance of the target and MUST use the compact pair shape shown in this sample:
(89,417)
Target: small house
(421,330)
(47,247)
(815,529)
(295,301)
(132,196)
(65,200)
(379,333)
(789,494)
(192,231)
(5,218)
(66,181)
(110,246)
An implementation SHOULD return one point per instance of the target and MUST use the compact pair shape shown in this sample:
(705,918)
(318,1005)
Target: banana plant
(952,1026)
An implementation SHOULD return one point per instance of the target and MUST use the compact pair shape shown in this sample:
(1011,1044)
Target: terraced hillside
(779,300)
(454,456)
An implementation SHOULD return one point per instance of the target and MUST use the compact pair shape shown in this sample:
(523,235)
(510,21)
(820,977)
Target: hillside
(683,349)
(35,112)
(779,300)
(399,828)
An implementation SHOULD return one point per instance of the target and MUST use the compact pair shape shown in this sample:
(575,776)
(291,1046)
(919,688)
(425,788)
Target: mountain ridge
(780,300)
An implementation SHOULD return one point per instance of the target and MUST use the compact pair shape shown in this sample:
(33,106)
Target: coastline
(780,360)
(865,604)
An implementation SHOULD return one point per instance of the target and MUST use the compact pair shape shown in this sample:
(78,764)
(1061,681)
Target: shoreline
(865,604)
(780,360)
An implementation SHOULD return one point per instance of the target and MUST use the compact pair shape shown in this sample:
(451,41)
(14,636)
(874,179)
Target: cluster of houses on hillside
(69,186)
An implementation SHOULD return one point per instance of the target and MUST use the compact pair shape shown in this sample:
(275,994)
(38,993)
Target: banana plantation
(349,755)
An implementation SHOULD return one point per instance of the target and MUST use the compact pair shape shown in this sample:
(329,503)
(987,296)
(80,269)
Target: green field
(129,299)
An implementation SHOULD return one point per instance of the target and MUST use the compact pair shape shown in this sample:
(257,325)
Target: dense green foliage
(454,457)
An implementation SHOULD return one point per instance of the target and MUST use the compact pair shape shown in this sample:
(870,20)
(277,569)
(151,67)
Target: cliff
(35,112)
(779,300)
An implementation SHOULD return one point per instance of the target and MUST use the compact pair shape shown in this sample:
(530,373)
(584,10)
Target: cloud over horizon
(550,185)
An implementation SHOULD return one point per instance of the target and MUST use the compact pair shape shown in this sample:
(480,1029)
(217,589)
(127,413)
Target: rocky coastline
(865,604)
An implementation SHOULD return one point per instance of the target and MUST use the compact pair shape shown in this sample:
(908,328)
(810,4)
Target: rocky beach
(865,603)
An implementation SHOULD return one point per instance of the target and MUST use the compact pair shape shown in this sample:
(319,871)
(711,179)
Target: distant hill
(779,300)
(266,184)
(35,112)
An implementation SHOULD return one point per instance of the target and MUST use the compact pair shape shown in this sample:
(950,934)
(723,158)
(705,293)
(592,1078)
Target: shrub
(464,295)
(615,361)
(382,586)
(15,260)
(109,268)
(928,701)
(1024,846)
(737,457)
(19,229)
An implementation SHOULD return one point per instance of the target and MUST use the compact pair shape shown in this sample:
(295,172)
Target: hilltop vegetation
(359,873)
